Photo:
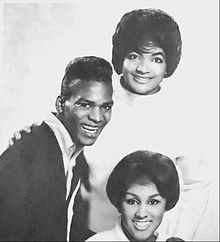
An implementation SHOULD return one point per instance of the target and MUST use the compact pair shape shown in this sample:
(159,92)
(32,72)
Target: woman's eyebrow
(155,195)
(150,51)
(135,195)
(158,53)
(132,194)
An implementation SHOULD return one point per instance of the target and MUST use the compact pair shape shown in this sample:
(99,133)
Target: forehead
(146,49)
(141,190)
(92,90)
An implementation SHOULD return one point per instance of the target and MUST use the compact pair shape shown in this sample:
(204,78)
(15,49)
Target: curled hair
(88,68)
(154,24)
(144,167)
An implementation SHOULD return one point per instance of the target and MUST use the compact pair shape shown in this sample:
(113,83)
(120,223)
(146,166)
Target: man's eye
(83,105)
(107,107)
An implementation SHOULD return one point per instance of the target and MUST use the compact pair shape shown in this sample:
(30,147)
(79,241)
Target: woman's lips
(141,79)
(141,225)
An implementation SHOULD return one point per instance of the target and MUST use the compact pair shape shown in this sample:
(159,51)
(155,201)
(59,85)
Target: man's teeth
(90,129)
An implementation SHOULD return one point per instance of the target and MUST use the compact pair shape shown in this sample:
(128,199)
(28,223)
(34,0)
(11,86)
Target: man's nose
(96,114)
(143,66)
(142,211)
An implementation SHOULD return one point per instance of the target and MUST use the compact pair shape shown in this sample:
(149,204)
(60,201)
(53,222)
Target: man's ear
(60,103)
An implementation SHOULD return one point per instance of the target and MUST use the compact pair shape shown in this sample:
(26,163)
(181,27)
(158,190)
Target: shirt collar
(65,142)
(120,93)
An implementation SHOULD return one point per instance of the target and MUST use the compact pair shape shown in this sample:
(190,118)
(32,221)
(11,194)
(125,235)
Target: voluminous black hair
(87,68)
(153,24)
(144,167)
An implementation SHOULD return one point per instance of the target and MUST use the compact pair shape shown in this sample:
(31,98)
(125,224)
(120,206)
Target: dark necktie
(74,182)
(79,226)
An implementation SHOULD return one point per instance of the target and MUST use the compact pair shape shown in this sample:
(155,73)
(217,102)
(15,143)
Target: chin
(88,142)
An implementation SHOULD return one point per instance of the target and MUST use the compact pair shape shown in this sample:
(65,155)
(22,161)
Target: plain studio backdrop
(39,38)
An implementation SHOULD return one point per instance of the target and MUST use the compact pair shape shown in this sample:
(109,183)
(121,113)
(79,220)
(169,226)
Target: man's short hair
(156,25)
(87,68)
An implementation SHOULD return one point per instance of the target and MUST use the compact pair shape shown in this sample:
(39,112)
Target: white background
(39,38)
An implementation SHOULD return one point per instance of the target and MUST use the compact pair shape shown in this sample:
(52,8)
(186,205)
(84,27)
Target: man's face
(87,111)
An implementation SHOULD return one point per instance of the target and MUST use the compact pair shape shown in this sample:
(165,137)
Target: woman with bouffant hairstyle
(142,186)
(147,48)
(143,27)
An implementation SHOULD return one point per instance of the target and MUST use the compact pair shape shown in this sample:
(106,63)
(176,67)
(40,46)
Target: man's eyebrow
(91,102)
(109,103)
(85,100)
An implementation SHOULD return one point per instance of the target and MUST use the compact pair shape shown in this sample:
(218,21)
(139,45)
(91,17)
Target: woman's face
(142,210)
(143,71)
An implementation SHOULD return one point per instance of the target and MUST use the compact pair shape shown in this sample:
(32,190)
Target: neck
(128,88)
(78,146)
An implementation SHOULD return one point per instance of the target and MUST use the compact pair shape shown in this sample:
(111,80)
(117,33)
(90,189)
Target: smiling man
(41,173)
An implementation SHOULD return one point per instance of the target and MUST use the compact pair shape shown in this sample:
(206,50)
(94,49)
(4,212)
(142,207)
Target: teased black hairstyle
(141,167)
(157,25)
(86,68)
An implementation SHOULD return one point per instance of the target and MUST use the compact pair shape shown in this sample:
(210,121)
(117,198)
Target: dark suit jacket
(33,189)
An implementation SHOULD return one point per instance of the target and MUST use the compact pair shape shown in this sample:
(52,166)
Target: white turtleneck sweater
(159,122)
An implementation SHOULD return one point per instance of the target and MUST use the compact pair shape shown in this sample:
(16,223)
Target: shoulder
(39,135)
(39,139)
(115,234)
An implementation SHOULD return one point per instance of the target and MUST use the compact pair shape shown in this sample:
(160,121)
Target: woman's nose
(142,211)
(143,66)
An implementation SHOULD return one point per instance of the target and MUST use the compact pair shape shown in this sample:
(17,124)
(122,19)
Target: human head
(84,104)
(143,173)
(140,27)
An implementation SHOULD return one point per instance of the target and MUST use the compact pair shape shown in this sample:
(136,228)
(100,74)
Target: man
(38,183)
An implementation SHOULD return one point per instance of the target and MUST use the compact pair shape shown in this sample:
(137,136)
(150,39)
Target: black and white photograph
(109,127)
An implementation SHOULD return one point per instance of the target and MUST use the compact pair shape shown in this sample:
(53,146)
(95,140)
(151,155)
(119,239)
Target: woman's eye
(132,56)
(153,202)
(131,201)
(158,60)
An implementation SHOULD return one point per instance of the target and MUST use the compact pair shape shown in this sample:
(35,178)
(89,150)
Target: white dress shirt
(69,160)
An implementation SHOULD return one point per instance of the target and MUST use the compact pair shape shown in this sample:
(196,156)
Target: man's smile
(90,130)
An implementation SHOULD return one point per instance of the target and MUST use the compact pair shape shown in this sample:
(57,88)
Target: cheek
(160,70)
(76,114)
(127,67)
(108,116)
(158,213)
(128,212)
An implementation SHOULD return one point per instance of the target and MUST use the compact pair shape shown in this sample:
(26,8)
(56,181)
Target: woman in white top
(142,187)
(146,49)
